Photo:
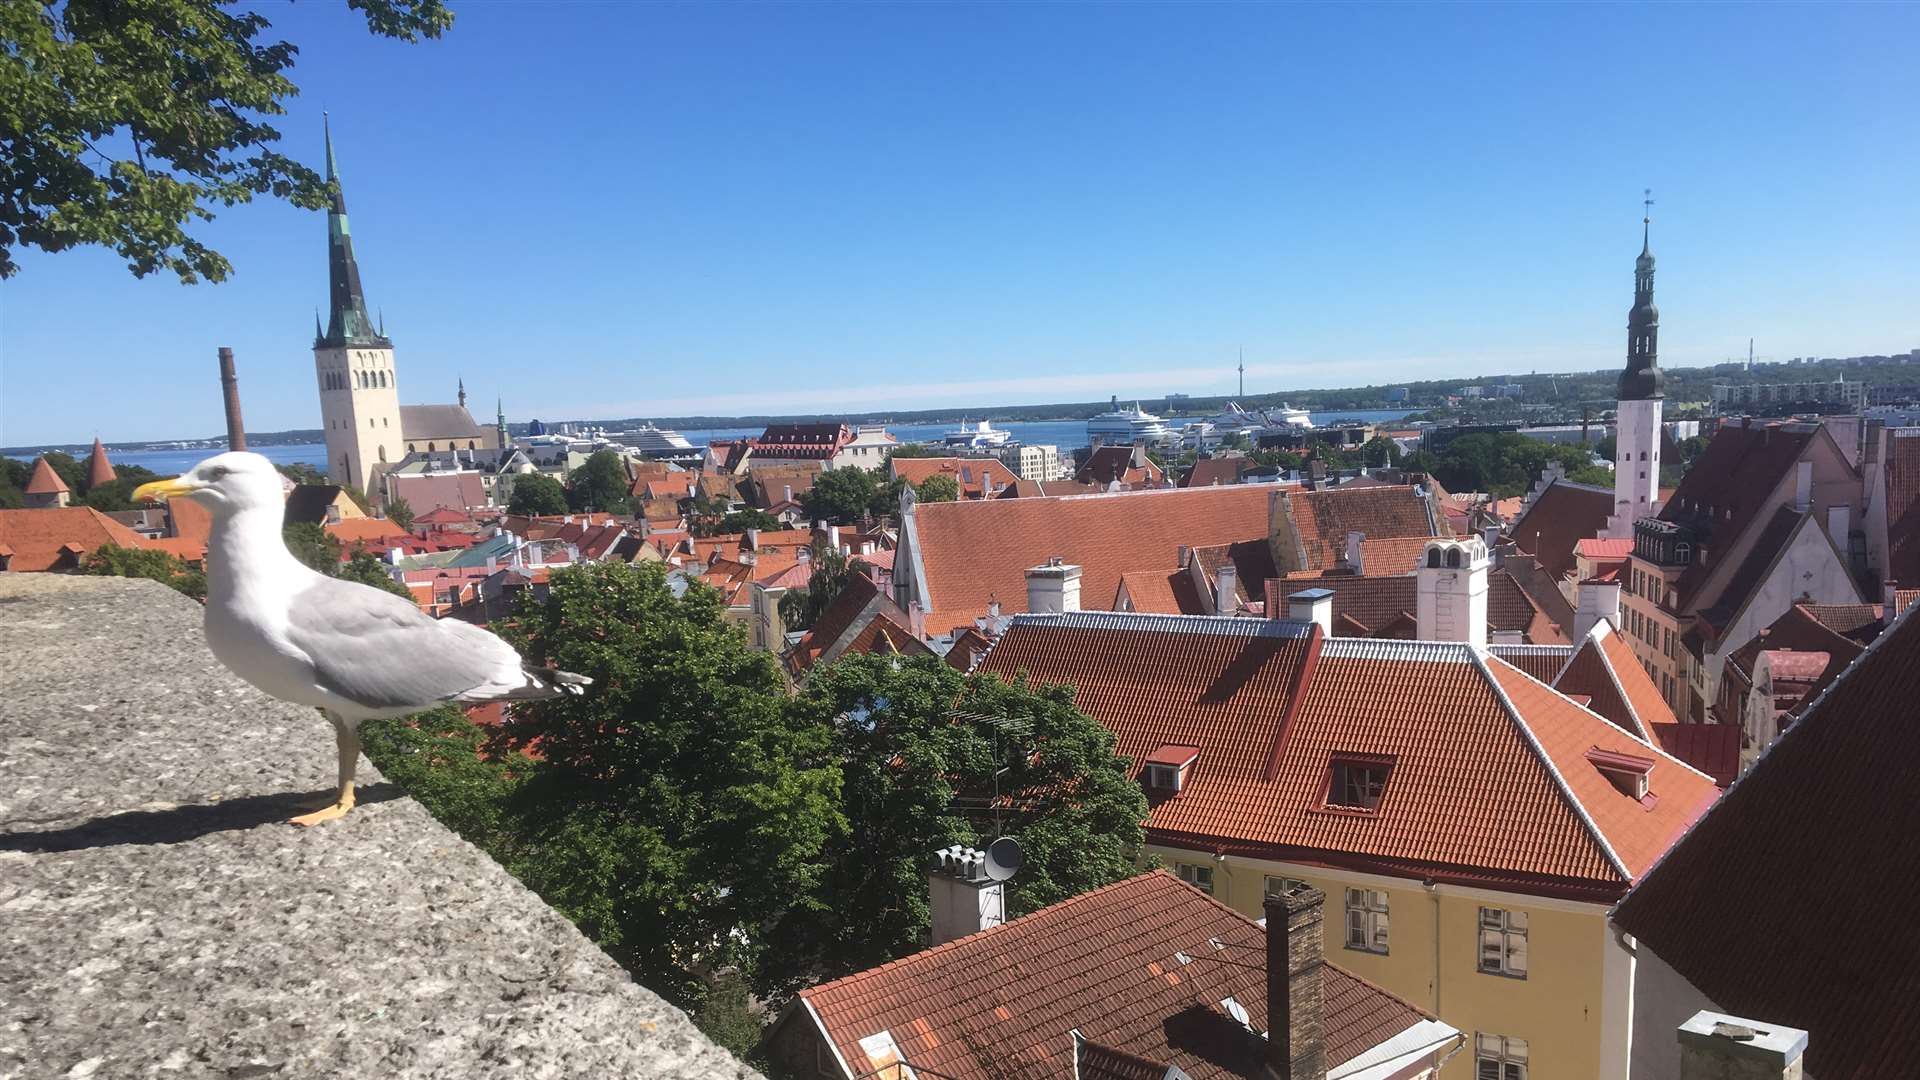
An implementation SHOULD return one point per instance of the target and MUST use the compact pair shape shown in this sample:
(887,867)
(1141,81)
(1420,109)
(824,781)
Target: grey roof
(419,422)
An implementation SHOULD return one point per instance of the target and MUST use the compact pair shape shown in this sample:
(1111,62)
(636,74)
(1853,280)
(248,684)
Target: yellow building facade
(1566,1016)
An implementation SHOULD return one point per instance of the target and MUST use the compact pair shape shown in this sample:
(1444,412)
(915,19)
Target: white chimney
(1714,1045)
(1598,600)
(1053,586)
(788,488)
(964,899)
(394,555)
(1314,606)
(1226,582)
(1802,486)
(833,538)
(1452,598)
(1356,557)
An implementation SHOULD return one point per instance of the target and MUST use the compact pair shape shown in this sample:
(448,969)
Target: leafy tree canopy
(937,488)
(740,521)
(313,545)
(400,512)
(112,560)
(848,495)
(367,570)
(918,450)
(537,494)
(683,809)
(126,121)
(1506,463)
(118,495)
(832,570)
(600,484)
(921,749)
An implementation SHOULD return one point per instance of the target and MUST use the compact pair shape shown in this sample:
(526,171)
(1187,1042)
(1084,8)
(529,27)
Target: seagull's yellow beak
(162,490)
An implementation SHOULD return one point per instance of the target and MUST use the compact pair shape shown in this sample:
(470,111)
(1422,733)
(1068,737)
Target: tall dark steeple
(1642,379)
(347,323)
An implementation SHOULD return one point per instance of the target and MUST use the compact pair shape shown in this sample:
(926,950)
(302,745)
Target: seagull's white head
(224,484)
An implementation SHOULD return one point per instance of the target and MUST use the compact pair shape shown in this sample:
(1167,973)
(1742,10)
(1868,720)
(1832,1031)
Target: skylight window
(1357,783)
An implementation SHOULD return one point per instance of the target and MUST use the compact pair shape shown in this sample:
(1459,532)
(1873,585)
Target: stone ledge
(159,919)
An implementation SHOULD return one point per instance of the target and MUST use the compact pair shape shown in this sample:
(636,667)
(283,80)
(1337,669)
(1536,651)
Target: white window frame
(1499,1057)
(1367,923)
(1346,792)
(1284,883)
(1503,943)
(1198,875)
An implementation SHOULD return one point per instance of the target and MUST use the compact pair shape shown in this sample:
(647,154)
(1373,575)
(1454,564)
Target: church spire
(463,392)
(1643,379)
(347,322)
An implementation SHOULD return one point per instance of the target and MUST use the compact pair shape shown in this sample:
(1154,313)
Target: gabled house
(1126,465)
(977,478)
(58,538)
(1312,530)
(1471,822)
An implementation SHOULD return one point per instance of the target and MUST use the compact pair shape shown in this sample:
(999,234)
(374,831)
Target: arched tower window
(470,445)
(429,448)
(369,421)
(1433,558)
(383,451)
(1453,558)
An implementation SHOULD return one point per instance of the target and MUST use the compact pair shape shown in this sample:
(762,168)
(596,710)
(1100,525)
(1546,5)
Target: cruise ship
(1120,426)
(981,436)
(654,440)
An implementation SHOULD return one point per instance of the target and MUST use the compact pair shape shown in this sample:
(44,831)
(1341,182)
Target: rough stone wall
(158,917)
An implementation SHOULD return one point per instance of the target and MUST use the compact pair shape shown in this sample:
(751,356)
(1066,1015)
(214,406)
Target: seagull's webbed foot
(328,812)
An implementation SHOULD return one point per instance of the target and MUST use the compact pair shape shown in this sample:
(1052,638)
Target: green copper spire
(500,414)
(347,322)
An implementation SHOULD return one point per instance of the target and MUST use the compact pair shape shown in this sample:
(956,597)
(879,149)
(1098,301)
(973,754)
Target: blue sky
(607,210)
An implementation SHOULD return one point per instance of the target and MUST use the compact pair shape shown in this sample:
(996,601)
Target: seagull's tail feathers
(546,683)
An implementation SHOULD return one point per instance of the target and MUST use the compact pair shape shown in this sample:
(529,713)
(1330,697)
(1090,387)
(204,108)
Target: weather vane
(1648,203)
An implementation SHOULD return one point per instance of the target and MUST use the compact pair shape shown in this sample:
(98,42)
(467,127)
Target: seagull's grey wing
(377,650)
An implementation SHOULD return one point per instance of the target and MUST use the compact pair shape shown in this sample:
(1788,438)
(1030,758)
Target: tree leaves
(127,120)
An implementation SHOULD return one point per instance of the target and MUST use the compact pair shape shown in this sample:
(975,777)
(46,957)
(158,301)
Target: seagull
(350,650)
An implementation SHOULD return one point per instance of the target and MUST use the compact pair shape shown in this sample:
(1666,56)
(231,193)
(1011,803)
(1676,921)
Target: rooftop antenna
(1749,354)
(1243,371)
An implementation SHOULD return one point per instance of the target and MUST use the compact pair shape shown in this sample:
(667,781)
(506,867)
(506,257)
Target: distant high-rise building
(1636,465)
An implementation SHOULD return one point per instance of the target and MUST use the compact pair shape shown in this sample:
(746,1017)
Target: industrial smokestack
(230,389)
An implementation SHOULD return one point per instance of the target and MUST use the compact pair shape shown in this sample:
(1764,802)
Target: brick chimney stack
(230,389)
(1296,1001)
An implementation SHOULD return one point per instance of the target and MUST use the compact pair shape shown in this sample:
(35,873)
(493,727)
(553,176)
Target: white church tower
(1636,432)
(359,392)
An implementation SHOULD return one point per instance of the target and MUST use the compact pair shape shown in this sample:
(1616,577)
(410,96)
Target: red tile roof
(1714,749)
(44,480)
(1600,550)
(351,530)
(1208,472)
(970,474)
(1727,487)
(1822,833)
(975,551)
(1106,963)
(1555,522)
(1472,741)
(1903,507)
(1159,592)
(1322,520)
(99,469)
(1126,464)
(58,538)
(1375,605)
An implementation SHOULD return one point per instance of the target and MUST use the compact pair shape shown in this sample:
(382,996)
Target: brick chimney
(1296,1002)
(1714,1046)
(230,391)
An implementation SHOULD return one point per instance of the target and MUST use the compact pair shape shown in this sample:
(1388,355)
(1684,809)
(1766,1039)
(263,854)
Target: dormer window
(1628,772)
(1357,782)
(1168,768)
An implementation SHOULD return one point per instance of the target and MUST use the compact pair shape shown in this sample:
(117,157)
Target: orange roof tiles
(1470,790)
(56,539)
(1107,963)
(974,551)
(1322,520)
(970,474)
(1153,592)
(1821,833)
(353,530)
(1603,550)
(44,480)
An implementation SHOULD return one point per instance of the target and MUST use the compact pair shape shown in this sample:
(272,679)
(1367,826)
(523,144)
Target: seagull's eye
(217,472)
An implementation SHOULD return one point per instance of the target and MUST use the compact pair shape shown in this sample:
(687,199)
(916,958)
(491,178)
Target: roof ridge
(1158,622)
(1597,637)
(1540,752)
(1648,740)
(947,946)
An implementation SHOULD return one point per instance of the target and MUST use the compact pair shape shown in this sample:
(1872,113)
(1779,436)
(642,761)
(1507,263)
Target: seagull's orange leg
(348,740)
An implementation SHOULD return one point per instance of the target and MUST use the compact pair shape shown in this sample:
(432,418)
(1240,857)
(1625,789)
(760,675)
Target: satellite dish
(1238,1012)
(1003,858)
